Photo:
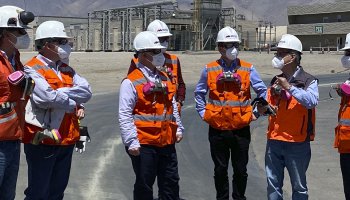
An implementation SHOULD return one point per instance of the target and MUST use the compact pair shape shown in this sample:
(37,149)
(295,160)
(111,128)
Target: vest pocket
(342,138)
(10,126)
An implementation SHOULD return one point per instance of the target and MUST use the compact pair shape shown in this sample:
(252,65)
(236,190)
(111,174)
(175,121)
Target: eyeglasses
(20,31)
(61,41)
(163,39)
(152,51)
(282,53)
(347,52)
(228,45)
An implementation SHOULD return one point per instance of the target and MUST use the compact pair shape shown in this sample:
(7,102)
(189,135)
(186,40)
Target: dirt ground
(105,70)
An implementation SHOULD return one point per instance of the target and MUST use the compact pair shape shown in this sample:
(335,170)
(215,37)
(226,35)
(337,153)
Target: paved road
(104,171)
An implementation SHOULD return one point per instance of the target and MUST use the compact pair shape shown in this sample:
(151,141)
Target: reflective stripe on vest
(229,103)
(218,68)
(139,81)
(344,122)
(170,61)
(38,67)
(151,118)
(3,120)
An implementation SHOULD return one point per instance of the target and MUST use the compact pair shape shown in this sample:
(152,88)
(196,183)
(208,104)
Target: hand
(80,113)
(134,151)
(178,137)
(338,90)
(283,83)
(80,145)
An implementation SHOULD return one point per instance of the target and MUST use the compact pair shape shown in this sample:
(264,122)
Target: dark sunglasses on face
(20,31)
(60,41)
(153,51)
(347,52)
(228,45)
(163,39)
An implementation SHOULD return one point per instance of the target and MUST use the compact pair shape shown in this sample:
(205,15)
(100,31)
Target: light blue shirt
(66,98)
(309,97)
(201,90)
(127,101)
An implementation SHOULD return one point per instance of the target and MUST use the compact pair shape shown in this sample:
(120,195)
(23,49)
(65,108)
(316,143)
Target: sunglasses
(282,53)
(228,45)
(20,31)
(152,51)
(61,41)
(163,39)
(347,52)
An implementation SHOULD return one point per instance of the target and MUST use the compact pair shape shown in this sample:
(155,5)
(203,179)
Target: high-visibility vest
(11,124)
(293,122)
(153,113)
(342,131)
(69,128)
(228,106)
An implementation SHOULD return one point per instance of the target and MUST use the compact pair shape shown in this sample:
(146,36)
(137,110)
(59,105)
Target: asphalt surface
(104,171)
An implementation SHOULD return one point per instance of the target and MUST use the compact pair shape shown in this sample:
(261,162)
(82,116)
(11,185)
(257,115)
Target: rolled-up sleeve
(127,102)
(258,85)
(44,96)
(200,93)
(309,97)
(180,128)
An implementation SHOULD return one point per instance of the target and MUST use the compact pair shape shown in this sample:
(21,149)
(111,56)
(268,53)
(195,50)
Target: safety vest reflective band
(229,103)
(169,61)
(151,118)
(6,119)
(69,128)
(153,113)
(228,106)
(344,122)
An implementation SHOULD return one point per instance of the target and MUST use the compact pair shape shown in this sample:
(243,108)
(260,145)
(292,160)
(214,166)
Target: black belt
(4,111)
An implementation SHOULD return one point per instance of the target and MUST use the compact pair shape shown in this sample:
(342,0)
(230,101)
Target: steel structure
(144,13)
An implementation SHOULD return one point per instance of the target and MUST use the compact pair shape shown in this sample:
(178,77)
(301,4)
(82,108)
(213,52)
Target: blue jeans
(9,165)
(48,171)
(295,156)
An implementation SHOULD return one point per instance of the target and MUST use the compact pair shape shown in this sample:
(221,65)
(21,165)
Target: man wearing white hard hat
(228,112)
(342,131)
(293,95)
(13,36)
(149,121)
(172,64)
(56,103)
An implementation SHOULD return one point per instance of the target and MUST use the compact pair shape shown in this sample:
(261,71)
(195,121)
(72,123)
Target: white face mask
(345,61)
(277,62)
(64,51)
(23,42)
(158,60)
(164,44)
(231,53)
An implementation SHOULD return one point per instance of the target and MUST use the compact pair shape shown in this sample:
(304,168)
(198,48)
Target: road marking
(94,190)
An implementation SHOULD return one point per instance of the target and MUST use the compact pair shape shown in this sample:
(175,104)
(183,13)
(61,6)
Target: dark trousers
(160,162)
(223,144)
(345,169)
(48,171)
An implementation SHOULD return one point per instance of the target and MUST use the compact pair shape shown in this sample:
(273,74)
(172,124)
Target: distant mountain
(269,10)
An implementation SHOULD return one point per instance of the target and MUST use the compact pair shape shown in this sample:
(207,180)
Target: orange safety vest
(293,122)
(11,124)
(69,128)
(228,106)
(342,131)
(171,61)
(153,113)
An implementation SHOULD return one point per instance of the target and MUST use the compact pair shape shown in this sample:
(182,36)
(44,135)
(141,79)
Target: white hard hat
(50,29)
(159,28)
(347,42)
(14,17)
(289,41)
(227,34)
(147,40)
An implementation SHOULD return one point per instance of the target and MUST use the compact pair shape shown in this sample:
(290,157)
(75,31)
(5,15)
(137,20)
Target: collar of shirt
(149,74)
(231,68)
(50,64)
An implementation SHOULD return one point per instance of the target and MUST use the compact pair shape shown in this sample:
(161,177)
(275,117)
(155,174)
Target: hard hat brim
(345,48)
(164,34)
